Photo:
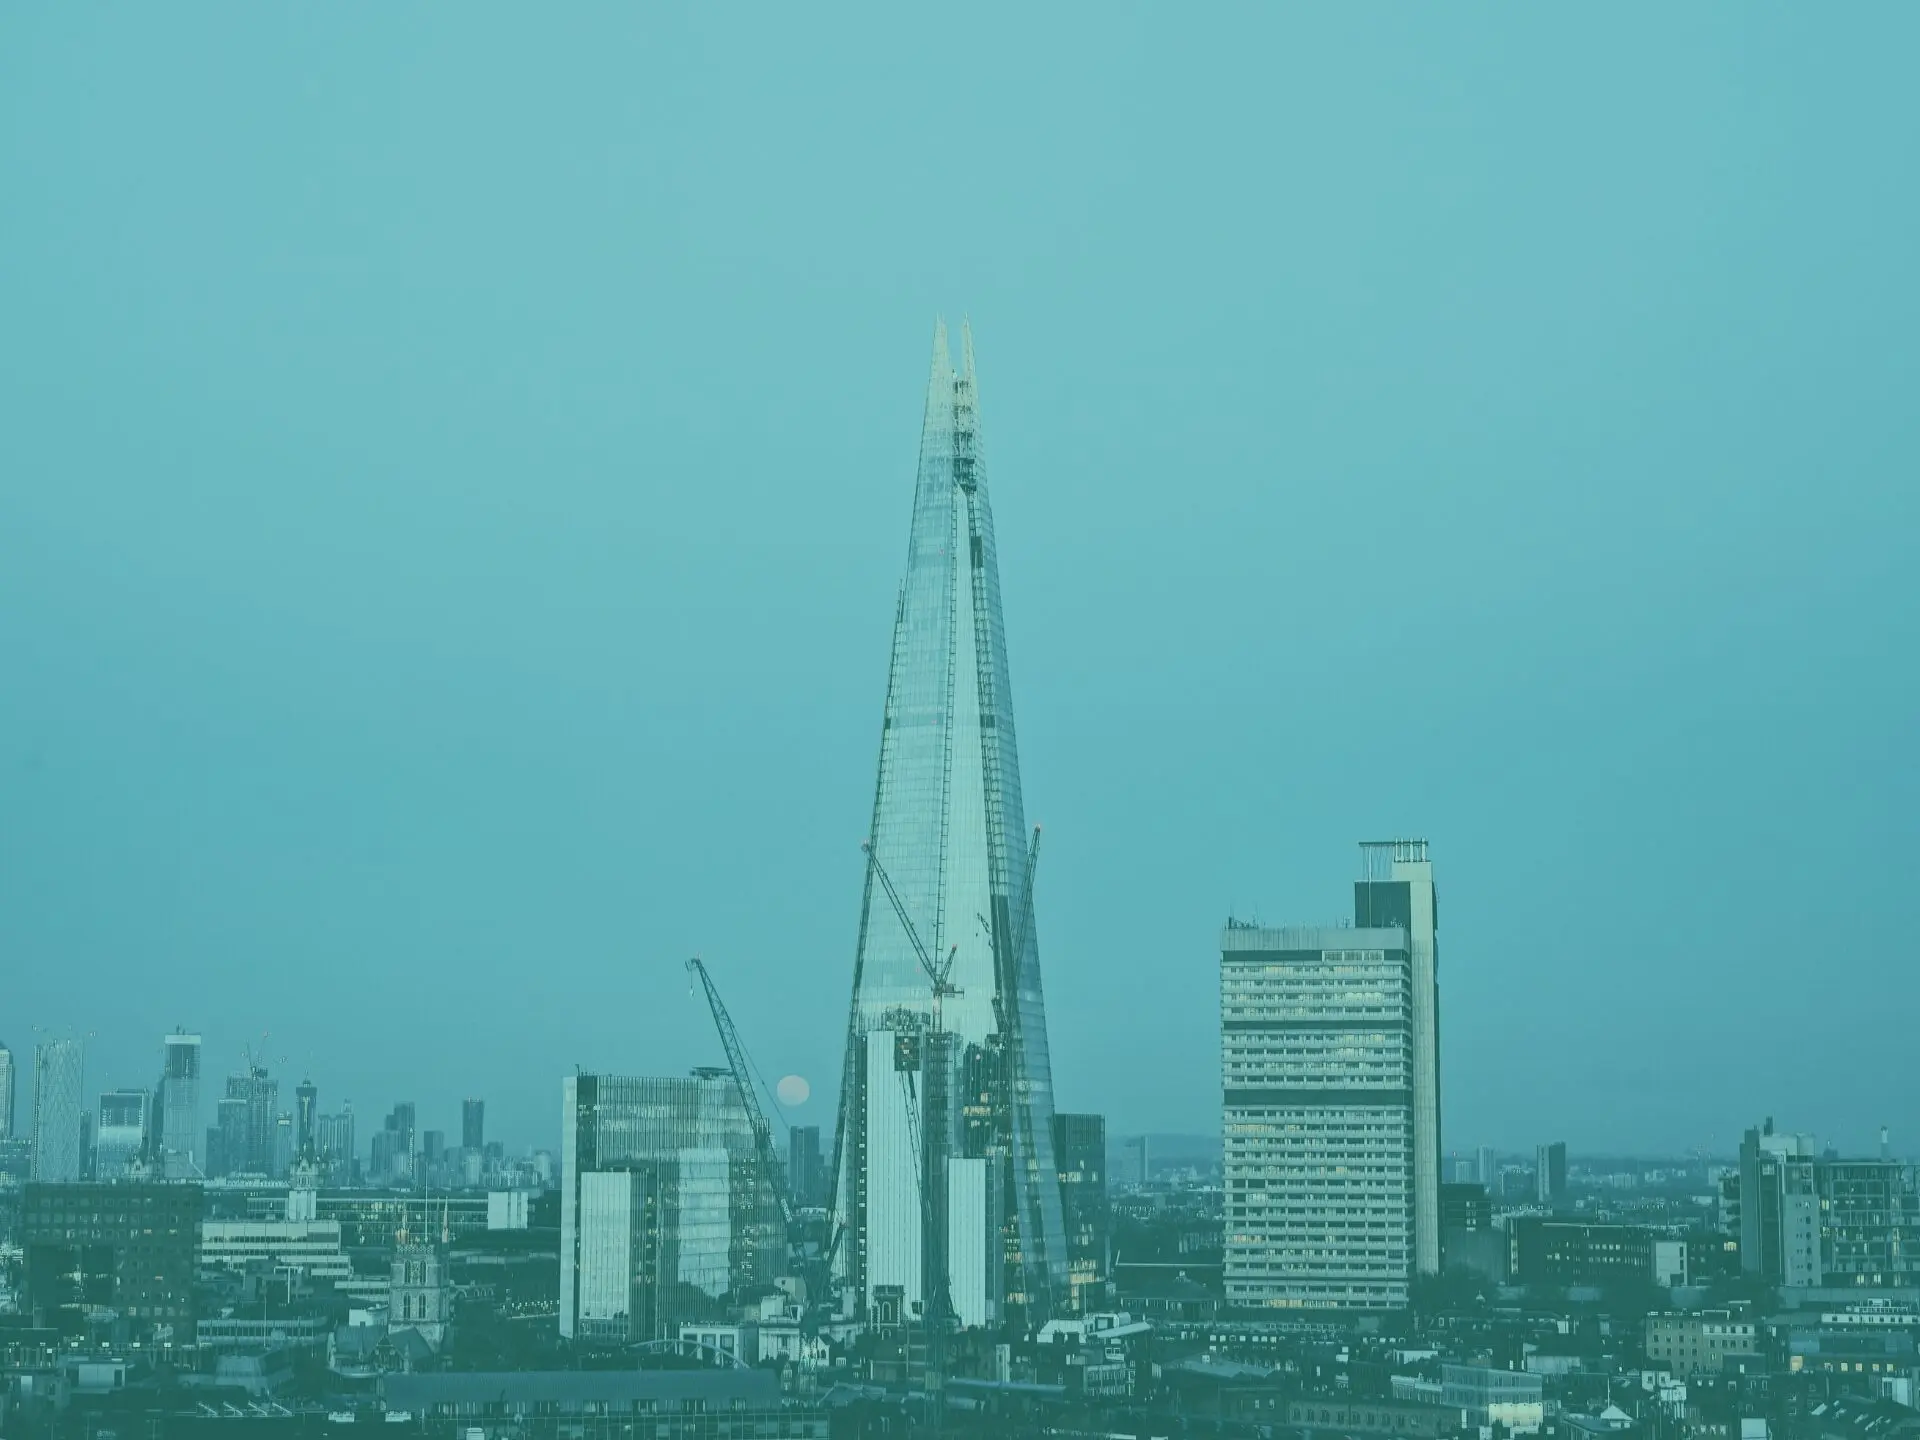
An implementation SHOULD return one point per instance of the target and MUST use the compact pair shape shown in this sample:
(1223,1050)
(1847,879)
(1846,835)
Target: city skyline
(422,596)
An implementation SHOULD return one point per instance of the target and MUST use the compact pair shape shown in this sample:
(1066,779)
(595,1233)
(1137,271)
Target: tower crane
(811,1260)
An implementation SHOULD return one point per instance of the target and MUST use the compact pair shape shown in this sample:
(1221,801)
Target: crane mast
(811,1261)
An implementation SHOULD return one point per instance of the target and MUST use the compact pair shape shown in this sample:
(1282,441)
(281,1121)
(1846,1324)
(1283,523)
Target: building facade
(1696,1342)
(59,1082)
(1080,1149)
(124,1250)
(1573,1252)
(948,887)
(1809,1220)
(664,1212)
(1330,1091)
(120,1139)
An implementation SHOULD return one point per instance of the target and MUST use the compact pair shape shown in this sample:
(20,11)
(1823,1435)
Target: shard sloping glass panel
(948,885)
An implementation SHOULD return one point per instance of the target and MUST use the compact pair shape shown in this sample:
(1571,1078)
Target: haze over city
(455,477)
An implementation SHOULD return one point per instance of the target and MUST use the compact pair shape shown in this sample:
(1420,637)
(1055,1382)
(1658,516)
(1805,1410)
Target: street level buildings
(947,1080)
(1330,1090)
(1696,1342)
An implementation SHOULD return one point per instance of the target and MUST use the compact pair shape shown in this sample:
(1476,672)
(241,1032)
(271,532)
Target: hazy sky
(455,466)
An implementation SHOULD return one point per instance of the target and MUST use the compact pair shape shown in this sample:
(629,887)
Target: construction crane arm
(742,1079)
(937,974)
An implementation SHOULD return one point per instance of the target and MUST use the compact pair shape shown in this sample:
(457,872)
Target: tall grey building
(1330,1097)
(959,1090)
(803,1164)
(178,1109)
(6,1093)
(121,1136)
(665,1214)
(59,1080)
(473,1124)
(306,1120)
(1550,1173)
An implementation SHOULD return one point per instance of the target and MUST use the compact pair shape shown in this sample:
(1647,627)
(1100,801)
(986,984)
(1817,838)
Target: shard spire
(949,836)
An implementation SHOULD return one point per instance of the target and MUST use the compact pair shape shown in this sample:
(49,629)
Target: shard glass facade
(949,833)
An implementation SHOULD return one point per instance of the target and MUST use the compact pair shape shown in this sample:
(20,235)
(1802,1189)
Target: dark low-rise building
(1574,1252)
(1373,1417)
(729,1404)
(123,1253)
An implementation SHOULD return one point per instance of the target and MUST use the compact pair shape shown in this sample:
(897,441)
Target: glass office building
(949,834)
(59,1068)
(665,1214)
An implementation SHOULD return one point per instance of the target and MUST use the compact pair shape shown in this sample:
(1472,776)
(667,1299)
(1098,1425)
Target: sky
(455,468)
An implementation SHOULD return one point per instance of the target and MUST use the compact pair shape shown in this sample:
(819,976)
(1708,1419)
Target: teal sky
(455,467)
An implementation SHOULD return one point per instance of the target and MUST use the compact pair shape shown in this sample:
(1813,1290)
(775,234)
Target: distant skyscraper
(397,1145)
(306,1117)
(1080,1148)
(1550,1173)
(803,1165)
(949,843)
(178,1110)
(664,1211)
(1487,1167)
(59,1082)
(334,1139)
(249,1133)
(6,1093)
(473,1125)
(121,1135)
(1330,1093)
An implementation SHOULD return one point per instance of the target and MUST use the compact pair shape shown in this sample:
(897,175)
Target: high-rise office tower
(178,1109)
(473,1125)
(1486,1167)
(665,1213)
(803,1164)
(1330,1080)
(949,884)
(1550,1173)
(6,1093)
(121,1136)
(59,1080)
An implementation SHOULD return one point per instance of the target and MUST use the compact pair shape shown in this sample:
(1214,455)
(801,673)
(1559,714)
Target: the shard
(948,1188)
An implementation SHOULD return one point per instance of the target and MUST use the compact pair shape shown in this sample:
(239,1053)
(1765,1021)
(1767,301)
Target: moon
(793,1090)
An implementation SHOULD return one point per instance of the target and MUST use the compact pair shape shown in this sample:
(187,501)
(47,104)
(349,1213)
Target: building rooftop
(423,1392)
